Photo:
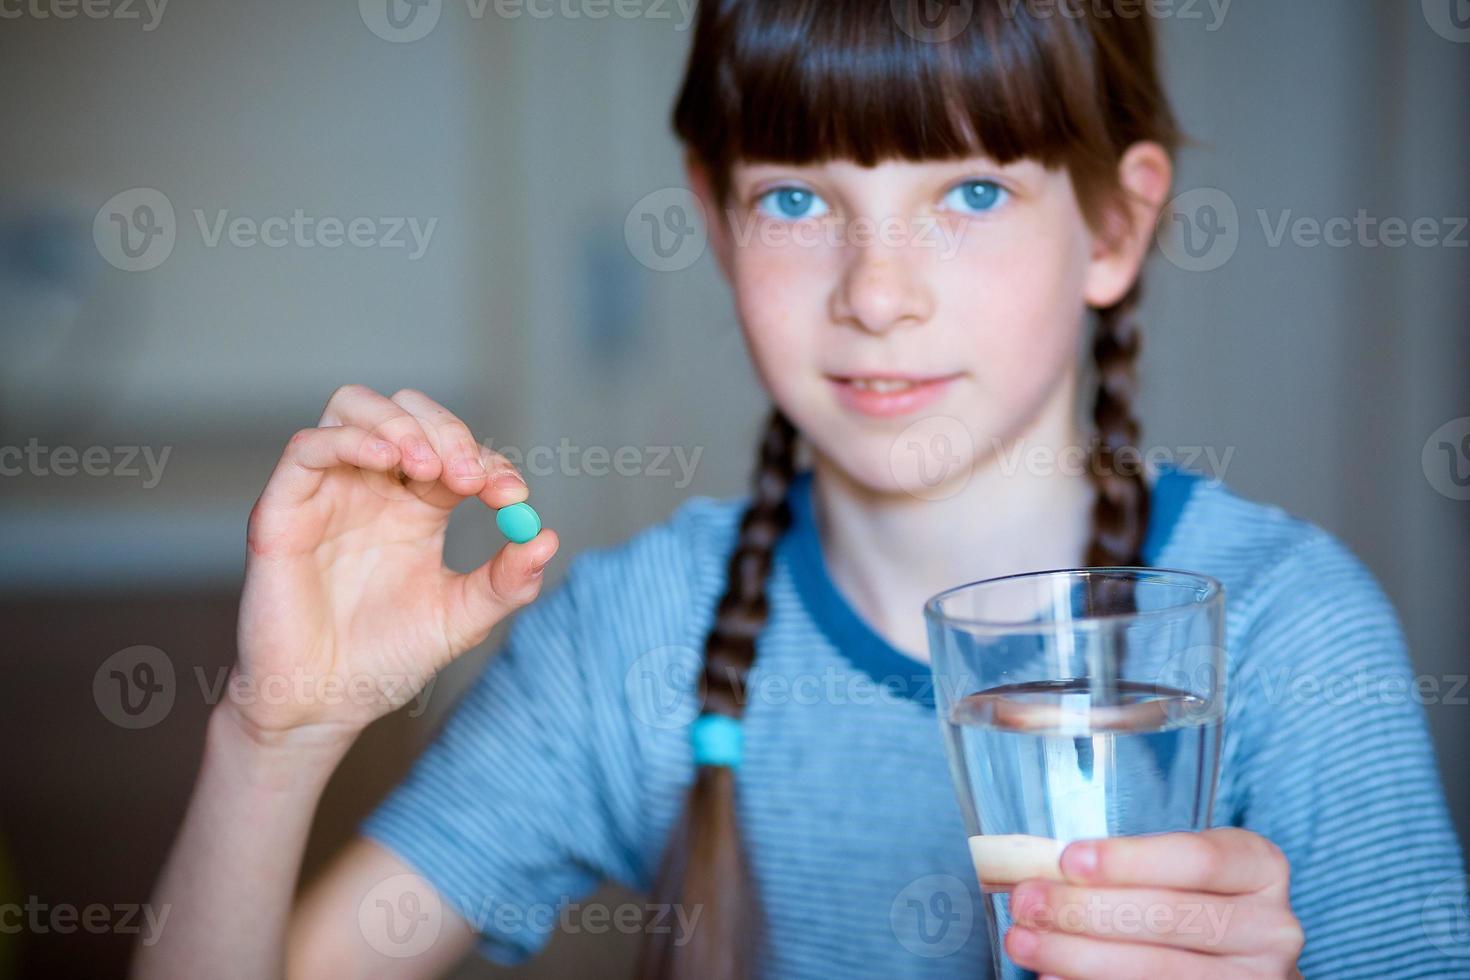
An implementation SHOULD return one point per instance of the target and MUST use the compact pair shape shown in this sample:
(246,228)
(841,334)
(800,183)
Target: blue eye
(976,196)
(791,204)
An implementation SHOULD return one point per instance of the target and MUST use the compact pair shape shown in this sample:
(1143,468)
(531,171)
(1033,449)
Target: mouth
(888,395)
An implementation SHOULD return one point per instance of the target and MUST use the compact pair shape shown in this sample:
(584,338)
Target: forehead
(847,173)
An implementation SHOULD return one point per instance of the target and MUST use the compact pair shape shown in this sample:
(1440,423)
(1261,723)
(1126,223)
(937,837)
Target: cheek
(781,301)
(1018,300)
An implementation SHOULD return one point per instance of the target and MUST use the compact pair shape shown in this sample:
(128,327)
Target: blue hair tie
(718,740)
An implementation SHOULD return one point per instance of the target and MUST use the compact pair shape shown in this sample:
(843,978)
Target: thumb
(476,601)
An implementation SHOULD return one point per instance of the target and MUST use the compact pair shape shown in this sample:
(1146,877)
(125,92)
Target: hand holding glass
(1076,704)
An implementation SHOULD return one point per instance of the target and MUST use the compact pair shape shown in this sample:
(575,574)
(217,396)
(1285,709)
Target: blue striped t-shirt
(566,761)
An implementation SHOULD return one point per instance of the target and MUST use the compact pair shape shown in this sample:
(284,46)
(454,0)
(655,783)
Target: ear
(1120,246)
(701,183)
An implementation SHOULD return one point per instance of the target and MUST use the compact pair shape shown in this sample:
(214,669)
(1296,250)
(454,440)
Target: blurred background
(463,194)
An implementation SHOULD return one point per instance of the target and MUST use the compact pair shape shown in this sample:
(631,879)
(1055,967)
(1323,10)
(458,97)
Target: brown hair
(802,81)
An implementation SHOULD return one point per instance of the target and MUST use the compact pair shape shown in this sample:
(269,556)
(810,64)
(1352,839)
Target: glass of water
(1076,704)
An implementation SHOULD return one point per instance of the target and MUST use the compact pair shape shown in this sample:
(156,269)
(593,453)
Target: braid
(704,865)
(1120,513)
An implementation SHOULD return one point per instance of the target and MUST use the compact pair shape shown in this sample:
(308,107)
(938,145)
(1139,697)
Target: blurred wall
(522,146)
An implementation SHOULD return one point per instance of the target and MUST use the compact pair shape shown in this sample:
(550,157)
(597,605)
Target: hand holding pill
(345,565)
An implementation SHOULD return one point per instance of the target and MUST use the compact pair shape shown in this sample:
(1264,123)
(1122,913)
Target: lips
(888,395)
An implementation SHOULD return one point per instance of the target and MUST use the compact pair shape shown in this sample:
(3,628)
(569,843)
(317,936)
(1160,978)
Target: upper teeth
(882,385)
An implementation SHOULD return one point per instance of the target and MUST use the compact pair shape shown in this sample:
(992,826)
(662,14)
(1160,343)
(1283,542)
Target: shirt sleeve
(1335,765)
(505,812)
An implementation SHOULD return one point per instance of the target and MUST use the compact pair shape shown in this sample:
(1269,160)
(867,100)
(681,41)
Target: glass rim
(1211,591)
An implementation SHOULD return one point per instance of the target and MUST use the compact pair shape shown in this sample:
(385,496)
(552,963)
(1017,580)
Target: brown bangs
(803,81)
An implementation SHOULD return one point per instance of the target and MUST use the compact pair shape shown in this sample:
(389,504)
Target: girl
(811,833)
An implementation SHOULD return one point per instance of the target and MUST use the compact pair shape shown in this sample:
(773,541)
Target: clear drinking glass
(1076,704)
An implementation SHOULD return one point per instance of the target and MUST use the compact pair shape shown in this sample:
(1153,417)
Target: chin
(927,458)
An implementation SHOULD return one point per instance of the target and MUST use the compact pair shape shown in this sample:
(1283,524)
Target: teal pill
(519,522)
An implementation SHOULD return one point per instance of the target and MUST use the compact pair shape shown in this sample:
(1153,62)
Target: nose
(882,289)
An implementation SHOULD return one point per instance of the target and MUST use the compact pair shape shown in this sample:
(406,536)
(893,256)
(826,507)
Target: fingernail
(418,449)
(1079,860)
(1022,942)
(468,466)
(382,448)
(1023,897)
(508,480)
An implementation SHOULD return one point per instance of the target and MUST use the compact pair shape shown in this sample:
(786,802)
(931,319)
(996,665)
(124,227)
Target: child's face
(876,298)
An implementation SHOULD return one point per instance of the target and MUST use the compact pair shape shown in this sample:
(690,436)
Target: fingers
(1200,921)
(437,450)
(360,406)
(463,470)
(1062,955)
(311,452)
(470,469)
(1225,861)
(482,598)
